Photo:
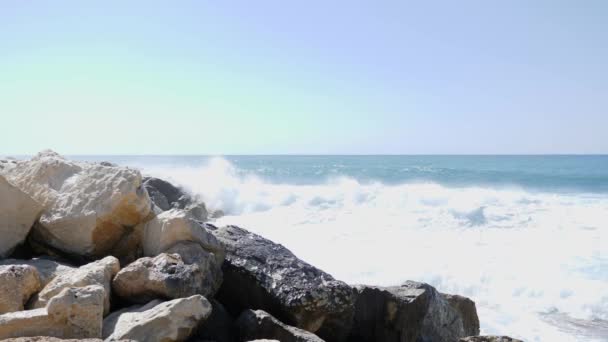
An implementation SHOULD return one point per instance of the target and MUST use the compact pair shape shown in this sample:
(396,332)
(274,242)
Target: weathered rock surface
(47,269)
(166,196)
(18,212)
(162,277)
(88,209)
(209,263)
(100,272)
(73,313)
(410,312)
(260,274)
(17,284)
(218,327)
(260,324)
(157,321)
(489,339)
(49,339)
(468,312)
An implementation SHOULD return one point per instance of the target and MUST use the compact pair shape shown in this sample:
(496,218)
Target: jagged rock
(47,269)
(175,226)
(88,209)
(468,313)
(260,274)
(410,312)
(73,313)
(260,324)
(218,327)
(162,277)
(489,339)
(18,212)
(166,196)
(100,272)
(209,263)
(157,321)
(17,284)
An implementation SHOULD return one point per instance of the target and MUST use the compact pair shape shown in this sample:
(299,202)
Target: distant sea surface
(526,237)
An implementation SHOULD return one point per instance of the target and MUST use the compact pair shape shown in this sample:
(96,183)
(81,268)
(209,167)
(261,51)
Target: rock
(489,339)
(100,272)
(259,324)
(162,277)
(49,339)
(157,321)
(410,312)
(166,196)
(260,274)
(88,210)
(218,327)
(47,269)
(210,265)
(468,312)
(73,313)
(17,284)
(18,212)
(174,226)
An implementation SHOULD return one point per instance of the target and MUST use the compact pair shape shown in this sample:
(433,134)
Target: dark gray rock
(219,327)
(410,312)
(260,324)
(468,313)
(167,196)
(489,339)
(260,274)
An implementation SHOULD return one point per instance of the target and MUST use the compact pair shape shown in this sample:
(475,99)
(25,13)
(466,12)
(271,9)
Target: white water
(518,254)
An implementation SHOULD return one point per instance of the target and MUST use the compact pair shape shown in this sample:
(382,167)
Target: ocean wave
(518,254)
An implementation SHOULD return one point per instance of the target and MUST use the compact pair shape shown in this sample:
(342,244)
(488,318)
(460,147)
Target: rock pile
(95,251)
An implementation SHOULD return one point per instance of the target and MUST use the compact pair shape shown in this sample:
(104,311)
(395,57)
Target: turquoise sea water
(526,237)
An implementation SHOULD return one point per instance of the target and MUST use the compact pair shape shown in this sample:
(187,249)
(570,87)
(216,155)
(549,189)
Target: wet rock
(18,212)
(74,313)
(468,312)
(166,196)
(88,209)
(17,284)
(260,274)
(259,324)
(157,321)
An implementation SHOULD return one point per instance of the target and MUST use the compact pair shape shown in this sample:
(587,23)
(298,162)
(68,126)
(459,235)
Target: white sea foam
(526,258)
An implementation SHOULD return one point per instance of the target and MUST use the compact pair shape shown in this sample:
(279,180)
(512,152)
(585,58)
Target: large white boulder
(88,208)
(100,273)
(47,269)
(18,212)
(74,313)
(17,284)
(157,321)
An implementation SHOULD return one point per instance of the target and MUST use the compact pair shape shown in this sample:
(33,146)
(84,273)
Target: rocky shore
(95,251)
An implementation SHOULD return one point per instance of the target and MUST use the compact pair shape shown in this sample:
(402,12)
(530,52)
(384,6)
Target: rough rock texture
(47,269)
(166,196)
(157,321)
(175,226)
(88,210)
(73,313)
(209,263)
(17,284)
(260,274)
(162,277)
(18,212)
(468,312)
(218,327)
(489,339)
(49,339)
(259,324)
(100,272)
(410,312)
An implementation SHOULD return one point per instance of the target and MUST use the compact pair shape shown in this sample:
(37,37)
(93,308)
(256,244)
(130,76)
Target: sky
(304,77)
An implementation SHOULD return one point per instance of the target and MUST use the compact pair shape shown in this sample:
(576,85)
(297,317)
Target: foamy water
(535,262)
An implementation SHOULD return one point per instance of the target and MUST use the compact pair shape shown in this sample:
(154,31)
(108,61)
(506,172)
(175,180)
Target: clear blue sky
(240,77)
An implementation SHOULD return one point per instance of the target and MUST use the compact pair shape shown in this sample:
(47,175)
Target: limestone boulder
(75,313)
(165,276)
(100,273)
(209,264)
(47,269)
(260,324)
(260,274)
(167,196)
(174,320)
(89,210)
(18,212)
(17,284)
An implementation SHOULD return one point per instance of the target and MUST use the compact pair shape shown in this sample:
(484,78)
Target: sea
(525,237)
